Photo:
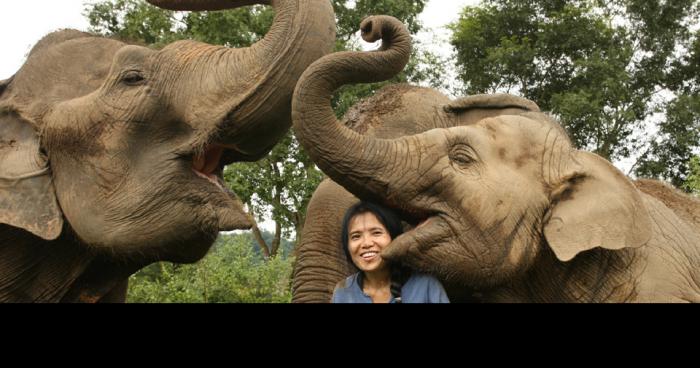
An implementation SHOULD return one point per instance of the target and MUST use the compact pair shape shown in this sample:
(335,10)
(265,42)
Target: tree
(279,187)
(692,184)
(669,155)
(602,68)
(679,134)
(139,22)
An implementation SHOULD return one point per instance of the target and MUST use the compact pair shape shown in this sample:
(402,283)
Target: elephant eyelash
(133,78)
(462,155)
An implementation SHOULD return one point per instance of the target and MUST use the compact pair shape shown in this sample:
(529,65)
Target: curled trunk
(358,162)
(247,92)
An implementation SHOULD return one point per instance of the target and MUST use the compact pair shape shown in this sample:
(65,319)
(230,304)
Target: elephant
(111,154)
(498,203)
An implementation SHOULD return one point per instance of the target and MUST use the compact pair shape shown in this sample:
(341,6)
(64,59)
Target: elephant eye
(133,78)
(462,155)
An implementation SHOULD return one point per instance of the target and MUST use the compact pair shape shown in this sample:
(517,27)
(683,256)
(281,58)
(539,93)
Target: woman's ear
(27,195)
(595,205)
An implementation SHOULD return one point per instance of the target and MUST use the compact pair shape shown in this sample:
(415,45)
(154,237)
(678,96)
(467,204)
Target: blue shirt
(419,288)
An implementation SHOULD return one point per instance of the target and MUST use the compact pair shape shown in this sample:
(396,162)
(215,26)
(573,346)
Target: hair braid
(399,275)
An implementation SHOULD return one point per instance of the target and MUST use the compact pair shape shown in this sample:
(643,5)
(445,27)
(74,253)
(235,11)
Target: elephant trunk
(247,92)
(320,260)
(316,273)
(357,162)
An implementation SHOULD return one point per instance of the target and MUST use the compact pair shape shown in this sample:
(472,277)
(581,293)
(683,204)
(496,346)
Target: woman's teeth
(369,255)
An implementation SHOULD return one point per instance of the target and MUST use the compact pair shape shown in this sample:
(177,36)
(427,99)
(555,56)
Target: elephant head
(491,185)
(120,148)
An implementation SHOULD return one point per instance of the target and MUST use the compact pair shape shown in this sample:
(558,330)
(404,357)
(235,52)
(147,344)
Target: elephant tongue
(230,210)
(205,164)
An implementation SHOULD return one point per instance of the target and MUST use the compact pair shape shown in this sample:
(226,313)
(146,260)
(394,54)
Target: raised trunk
(357,162)
(247,92)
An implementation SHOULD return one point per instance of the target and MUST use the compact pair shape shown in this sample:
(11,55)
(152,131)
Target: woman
(367,229)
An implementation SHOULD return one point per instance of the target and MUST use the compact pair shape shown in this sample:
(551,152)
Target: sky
(25,22)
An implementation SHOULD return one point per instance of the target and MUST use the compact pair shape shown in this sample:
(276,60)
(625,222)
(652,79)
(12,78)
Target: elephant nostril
(366,28)
(370,30)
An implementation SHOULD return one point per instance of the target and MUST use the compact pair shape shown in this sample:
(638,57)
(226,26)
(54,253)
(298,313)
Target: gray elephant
(500,205)
(111,155)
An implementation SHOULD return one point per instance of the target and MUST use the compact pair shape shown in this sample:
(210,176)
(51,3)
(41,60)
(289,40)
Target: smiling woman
(367,230)
(505,207)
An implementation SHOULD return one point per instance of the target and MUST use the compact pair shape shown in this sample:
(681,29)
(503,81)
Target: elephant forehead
(131,55)
(67,70)
(510,129)
(397,110)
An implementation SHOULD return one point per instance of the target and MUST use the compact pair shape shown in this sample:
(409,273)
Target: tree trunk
(259,238)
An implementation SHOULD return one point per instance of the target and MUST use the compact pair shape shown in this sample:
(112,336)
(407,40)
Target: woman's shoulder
(422,278)
(347,282)
(347,290)
(424,288)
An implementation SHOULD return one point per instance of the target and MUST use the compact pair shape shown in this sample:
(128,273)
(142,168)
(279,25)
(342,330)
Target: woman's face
(367,237)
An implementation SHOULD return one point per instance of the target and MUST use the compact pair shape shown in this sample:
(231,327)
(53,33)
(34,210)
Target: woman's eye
(133,77)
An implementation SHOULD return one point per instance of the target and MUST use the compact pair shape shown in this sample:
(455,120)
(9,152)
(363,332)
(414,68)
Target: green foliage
(139,22)
(231,273)
(133,21)
(679,136)
(279,186)
(351,13)
(692,184)
(598,65)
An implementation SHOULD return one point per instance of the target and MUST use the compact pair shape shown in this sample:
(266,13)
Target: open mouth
(417,218)
(209,164)
(426,226)
(208,167)
(369,256)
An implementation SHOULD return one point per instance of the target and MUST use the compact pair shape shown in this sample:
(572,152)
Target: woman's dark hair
(392,222)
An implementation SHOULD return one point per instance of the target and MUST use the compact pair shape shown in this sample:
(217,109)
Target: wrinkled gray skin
(502,206)
(111,154)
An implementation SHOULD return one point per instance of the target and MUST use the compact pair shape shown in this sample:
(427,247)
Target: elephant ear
(491,101)
(27,196)
(595,205)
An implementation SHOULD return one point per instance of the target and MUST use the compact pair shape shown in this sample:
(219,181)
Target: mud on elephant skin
(111,154)
(502,206)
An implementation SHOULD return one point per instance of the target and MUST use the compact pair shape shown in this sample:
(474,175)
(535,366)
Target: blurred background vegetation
(234,271)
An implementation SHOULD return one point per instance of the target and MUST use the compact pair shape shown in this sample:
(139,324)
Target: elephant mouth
(427,228)
(208,165)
